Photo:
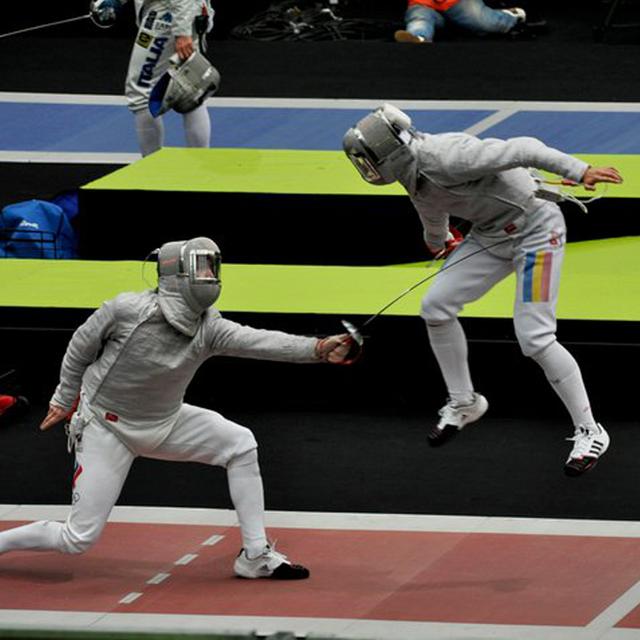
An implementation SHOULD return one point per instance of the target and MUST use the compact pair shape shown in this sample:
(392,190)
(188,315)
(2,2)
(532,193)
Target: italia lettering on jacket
(146,73)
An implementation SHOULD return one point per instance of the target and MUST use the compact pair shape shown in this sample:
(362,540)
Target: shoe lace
(582,438)
(274,558)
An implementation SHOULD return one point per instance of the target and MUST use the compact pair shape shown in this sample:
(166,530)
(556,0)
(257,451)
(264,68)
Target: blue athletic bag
(36,229)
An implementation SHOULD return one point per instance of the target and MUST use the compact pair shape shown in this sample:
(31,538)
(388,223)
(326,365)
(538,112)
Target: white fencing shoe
(588,445)
(453,417)
(270,564)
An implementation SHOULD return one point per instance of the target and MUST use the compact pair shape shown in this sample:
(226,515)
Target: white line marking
(130,597)
(350,521)
(186,559)
(212,540)
(490,121)
(626,603)
(312,103)
(69,157)
(158,578)
(319,627)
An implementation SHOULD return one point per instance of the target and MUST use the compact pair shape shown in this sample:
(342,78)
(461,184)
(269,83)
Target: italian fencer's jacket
(133,367)
(182,12)
(487,182)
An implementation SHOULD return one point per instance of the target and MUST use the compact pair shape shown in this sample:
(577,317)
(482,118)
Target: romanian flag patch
(537,276)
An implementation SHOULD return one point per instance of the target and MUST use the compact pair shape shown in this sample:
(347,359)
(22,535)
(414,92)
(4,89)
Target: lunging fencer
(491,183)
(130,364)
(169,43)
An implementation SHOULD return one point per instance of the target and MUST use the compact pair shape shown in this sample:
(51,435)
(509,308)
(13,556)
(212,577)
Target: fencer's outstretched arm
(459,158)
(237,340)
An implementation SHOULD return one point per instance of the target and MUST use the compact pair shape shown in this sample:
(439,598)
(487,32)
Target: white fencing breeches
(103,461)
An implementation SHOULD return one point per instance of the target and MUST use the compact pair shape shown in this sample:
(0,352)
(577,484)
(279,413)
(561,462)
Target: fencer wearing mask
(516,228)
(171,33)
(130,364)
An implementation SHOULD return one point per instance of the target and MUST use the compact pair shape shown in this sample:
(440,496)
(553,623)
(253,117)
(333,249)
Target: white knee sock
(197,127)
(245,487)
(449,345)
(150,132)
(37,536)
(563,373)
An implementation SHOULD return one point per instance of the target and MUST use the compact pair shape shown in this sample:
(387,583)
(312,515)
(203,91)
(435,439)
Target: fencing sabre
(355,333)
(44,26)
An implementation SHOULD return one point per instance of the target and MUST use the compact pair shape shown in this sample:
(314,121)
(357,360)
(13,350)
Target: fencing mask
(185,85)
(188,281)
(378,144)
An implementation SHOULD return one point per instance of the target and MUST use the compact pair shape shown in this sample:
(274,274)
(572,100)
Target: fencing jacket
(183,12)
(133,367)
(488,182)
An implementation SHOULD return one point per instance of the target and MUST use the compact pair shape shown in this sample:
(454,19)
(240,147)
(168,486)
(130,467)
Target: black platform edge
(290,228)
(44,180)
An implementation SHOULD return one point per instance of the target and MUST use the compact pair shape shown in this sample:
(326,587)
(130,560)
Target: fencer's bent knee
(75,542)
(534,343)
(435,312)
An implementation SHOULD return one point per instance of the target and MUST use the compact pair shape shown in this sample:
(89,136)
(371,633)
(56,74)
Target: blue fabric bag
(36,229)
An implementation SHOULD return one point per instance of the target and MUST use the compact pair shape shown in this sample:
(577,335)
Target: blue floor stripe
(575,132)
(109,129)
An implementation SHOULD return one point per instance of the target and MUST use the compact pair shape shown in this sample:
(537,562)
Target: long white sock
(150,132)
(449,345)
(565,377)
(37,536)
(197,127)
(247,495)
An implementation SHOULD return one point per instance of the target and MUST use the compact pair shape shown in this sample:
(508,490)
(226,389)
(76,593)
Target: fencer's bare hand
(334,349)
(184,46)
(54,415)
(593,175)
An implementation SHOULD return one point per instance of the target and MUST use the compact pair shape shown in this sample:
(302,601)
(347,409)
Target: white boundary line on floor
(342,628)
(313,103)
(68,157)
(615,612)
(346,521)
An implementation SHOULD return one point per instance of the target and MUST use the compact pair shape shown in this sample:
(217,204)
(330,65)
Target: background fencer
(130,364)
(490,183)
(165,28)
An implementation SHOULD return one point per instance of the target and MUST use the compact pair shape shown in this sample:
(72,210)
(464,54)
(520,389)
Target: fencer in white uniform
(492,184)
(165,28)
(130,364)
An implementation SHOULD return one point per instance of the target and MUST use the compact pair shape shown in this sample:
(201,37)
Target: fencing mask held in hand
(185,85)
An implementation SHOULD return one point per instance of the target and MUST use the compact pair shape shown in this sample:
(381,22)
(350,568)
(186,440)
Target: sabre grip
(335,349)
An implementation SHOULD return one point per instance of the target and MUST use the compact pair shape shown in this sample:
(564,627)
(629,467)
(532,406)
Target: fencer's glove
(453,241)
(104,13)
(335,349)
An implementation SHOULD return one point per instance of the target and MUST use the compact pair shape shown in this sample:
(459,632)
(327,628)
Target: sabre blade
(44,26)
